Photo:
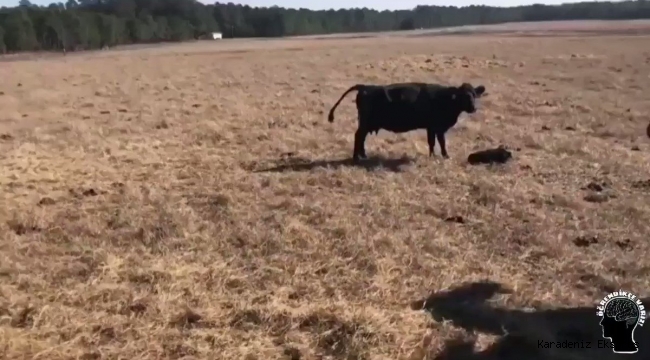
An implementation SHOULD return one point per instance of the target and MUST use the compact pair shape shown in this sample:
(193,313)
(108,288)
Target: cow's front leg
(443,146)
(359,144)
(431,139)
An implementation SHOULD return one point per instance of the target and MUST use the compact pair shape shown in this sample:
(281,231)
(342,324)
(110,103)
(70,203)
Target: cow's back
(402,108)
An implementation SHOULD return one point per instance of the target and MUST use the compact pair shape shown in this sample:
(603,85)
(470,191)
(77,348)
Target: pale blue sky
(374,4)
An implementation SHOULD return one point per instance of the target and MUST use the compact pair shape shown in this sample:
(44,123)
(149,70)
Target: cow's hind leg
(359,144)
(443,145)
(431,139)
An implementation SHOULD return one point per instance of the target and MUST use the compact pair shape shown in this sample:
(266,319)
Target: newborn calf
(499,155)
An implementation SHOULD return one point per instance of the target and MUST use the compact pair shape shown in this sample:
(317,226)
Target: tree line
(93,24)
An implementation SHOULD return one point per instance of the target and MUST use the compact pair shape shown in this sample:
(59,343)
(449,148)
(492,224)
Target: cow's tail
(357,87)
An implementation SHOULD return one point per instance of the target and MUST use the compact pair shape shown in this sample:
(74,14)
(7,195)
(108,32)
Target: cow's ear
(479,90)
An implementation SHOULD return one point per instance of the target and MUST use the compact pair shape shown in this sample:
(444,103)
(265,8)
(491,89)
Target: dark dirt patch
(641,184)
(22,228)
(187,318)
(596,197)
(46,201)
(456,219)
(584,241)
(624,244)
(596,186)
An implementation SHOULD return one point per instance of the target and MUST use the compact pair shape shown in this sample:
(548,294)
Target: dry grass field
(193,202)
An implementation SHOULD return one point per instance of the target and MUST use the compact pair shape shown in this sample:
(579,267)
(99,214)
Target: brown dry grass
(141,218)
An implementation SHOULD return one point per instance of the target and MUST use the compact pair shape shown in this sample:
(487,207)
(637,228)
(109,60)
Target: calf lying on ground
(498,155)
(404,107)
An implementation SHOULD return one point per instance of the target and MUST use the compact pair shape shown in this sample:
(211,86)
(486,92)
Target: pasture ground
(193,202)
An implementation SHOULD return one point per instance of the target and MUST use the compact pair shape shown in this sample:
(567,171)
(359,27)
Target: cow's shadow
(371,163)
(523,334)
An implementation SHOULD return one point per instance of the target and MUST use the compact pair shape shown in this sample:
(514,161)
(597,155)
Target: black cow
(403,107)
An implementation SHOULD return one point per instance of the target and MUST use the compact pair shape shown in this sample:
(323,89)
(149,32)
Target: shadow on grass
(523,334)
(371,163)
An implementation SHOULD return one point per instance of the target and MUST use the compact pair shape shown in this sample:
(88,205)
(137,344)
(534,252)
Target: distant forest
(93,24)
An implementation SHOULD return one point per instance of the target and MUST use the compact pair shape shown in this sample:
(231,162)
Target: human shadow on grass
(523,334)
(371,163)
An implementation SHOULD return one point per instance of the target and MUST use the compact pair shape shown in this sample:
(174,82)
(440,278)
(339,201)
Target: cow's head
(465,97)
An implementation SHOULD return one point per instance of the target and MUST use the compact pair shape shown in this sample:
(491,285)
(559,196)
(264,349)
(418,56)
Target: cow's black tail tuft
(357,87)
